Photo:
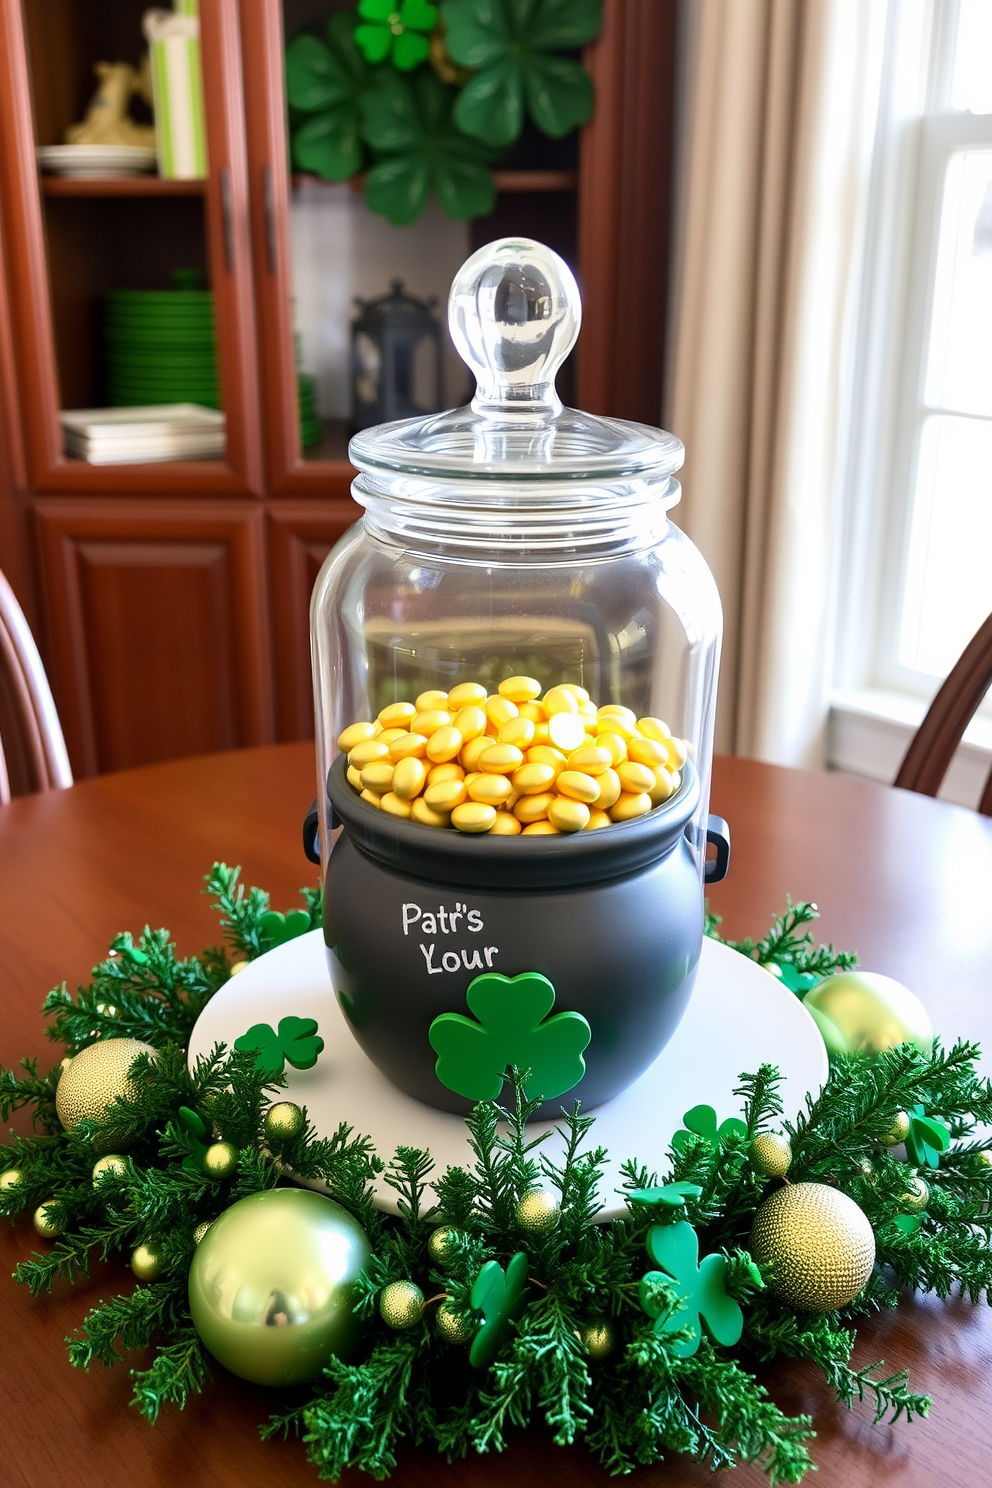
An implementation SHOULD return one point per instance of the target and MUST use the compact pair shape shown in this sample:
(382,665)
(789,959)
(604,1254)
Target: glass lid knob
(514,313)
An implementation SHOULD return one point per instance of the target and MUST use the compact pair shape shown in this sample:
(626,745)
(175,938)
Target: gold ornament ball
(538,1211)
(283,1122)
(862,1012)
(113,1164)
(439,1246)
(220,1160)
(898,1131)
(771,1154)
(450,1325)
(200,1231)
(599,1339)
(10,1178)
(916,1197)
(239,966)
(106,1009)
(401,1304)
(95,1077)
(984,1159)
(866,1169)
(46,1227)
(146,1263)
(272,1282)
(818,1241)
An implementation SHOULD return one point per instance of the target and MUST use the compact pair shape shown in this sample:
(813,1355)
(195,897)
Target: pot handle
(311,833)
(718,833)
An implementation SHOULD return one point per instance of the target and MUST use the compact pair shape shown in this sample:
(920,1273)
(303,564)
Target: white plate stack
(94,162)
(125,436)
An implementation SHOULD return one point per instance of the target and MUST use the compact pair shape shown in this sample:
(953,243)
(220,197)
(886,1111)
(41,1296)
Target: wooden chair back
(39,747)
(938,736)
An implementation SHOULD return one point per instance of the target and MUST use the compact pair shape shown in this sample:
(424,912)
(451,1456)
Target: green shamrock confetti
(197,1136)
(668,1196)
(926,1139)
(327,81)
(394,31)
(701,1121)
(275,929)
(297,1043)
(908,1223)
(500,1297)
(511,1029)
(507,44)
(797,981)
(700,1285)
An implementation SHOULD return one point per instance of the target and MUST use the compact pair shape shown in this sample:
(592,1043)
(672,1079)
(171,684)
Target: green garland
(641,1401)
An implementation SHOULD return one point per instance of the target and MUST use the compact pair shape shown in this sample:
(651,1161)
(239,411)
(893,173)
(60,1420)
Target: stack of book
(124,436)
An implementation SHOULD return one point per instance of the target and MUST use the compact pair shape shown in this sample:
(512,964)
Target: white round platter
(739,1017)
(88,162)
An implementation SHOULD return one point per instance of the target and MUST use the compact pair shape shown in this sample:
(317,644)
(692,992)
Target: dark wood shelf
(143,186)
(510,182)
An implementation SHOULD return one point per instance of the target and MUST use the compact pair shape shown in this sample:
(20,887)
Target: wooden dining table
(903,880)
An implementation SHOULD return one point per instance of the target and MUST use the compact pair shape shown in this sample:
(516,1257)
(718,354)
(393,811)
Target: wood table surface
(903,880)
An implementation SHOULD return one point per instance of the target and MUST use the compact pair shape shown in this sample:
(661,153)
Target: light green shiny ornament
(862,1012)
(283,1122)
(272,1282)
(46,1227)
(220,1160)
(200,1231)
(770,1154)
(451,1325)
(439,1246)
(538,1211)
(10,1178)
(599,1339)
(898,1131)
(401,1304)
(112,1165)
(146,1263)
(916,1198)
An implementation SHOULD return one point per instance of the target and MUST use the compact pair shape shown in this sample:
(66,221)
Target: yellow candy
(541,735)
(546,754)
(518,731)
(394,805)
(677,753)
(372,797)
(388,736)
(411,744)
(617,709)
(533,778)
(597,819)
(534,808)
(648,752)
(580,694)
(541,829)
(409,777)
(423,814)
(450,771)
(505,825)
(614,744)
(396,715)
(533,710)
(591,761)
(444,745)
(519,689)
(630,805)
(635,777)
(356,733)
(428,723)
(378,776)
(566,730)
(465,693)
(615,723)
(492,790)
(500,710)
(471,722)
(364,754)
(511,799)
(433,698)
(578,787)
(568,816)
(469,757)
(473,816)
(446,795)
(609,790)
(354,778)
(378,728)
(653,728)
(560,700)
(500,759)
(664,786)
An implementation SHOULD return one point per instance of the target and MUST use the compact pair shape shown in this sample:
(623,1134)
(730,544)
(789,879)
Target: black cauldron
(612,918)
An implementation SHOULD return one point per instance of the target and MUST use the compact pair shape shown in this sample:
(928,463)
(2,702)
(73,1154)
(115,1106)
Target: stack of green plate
(160,347)
(310,426)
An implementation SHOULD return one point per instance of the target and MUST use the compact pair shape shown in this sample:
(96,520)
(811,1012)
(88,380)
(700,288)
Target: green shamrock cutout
(700,1285)
(326,82)
(198,1137)
(668,1196)
(501,1297)
(393,31)
(297,1043)
(275,929)
(797,981)
(926,1139)
(701,1121)
(908,1223)
(511,1029)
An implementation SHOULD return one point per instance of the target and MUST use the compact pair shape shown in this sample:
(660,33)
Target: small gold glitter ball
(984,1159)
(598,1338)
(538,1211)
(95,1077)
(113,1164)
(220,1160)
(916,1197)
(200,1231)
(865,1168)
(451,1325)
(146,1263)
(106,1009)
(10,1178)
(771,1154)
(818,1241)
(401,1304)
(283,1122)
(439,1246)
(46,1227)
(239,966)
(898,1131)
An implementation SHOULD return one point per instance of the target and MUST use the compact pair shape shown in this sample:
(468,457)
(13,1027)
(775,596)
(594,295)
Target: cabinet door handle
(269,207)
(227,217)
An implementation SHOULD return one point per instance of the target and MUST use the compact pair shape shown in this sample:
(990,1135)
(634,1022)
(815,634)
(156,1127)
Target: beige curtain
(781,97)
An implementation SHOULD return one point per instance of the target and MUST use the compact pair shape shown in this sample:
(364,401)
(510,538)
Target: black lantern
(395,352)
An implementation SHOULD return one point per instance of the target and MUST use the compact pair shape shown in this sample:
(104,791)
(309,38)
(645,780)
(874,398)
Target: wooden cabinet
(172,599)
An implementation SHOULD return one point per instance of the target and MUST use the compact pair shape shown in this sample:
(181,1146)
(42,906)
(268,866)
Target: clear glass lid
(514,313)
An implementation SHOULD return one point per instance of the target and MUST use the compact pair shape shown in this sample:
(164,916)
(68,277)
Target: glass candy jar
(513,539)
